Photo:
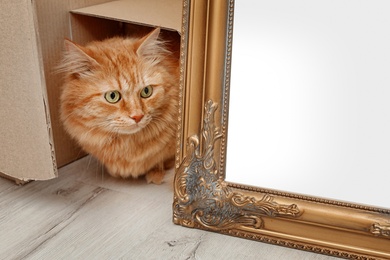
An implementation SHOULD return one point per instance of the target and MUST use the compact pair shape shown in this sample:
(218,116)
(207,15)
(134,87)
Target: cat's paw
(169,164)
(155,176)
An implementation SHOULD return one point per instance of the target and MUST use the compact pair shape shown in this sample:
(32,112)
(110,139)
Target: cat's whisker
(97,126)
(102,173)
(88,163)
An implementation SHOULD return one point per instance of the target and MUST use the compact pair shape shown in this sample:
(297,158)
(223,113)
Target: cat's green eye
(146,91)
(112,96)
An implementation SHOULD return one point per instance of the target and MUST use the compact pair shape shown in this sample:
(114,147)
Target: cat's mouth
(128,129)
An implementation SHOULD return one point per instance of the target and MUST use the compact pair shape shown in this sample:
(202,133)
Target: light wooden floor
(85,214)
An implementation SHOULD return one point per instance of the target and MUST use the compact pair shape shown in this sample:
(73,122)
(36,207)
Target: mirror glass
(310,98)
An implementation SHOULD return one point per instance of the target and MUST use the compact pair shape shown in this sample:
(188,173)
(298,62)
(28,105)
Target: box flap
(166,14)
(26,150)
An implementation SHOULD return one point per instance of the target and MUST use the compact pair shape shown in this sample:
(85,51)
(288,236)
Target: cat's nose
(137,118)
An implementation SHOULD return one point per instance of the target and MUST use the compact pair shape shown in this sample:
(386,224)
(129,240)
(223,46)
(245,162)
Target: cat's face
(119,101)
(122,99)
(119,86)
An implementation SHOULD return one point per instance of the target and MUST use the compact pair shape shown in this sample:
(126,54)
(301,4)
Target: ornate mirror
(284,121)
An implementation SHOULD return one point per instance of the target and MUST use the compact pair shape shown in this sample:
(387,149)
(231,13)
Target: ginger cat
(120,102)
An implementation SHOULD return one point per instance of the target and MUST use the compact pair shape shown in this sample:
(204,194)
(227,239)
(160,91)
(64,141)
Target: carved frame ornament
(202,197)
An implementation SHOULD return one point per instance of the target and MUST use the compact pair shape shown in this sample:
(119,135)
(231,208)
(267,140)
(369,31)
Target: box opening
(48,24)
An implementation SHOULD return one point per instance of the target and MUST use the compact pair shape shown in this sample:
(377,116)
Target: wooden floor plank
(86,214)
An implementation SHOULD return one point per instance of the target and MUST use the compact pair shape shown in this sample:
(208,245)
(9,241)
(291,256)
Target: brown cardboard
(166,14)
(25,137)
(31,43)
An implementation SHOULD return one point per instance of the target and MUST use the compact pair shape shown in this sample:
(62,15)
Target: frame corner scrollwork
(203,198)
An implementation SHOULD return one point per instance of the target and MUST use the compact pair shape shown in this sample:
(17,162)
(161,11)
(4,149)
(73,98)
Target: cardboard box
(33,143)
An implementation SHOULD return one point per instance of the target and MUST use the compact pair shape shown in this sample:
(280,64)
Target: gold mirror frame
(202,197)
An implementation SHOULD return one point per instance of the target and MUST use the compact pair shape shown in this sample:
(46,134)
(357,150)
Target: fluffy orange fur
(105,108)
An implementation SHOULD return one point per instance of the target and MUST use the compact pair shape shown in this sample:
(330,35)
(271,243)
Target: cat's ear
(150,45)
(76,60)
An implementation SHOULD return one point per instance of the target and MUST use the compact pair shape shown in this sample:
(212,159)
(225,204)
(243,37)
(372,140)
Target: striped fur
(108,131)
